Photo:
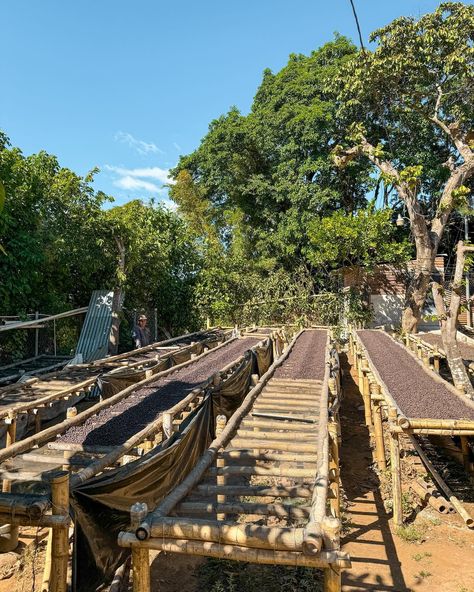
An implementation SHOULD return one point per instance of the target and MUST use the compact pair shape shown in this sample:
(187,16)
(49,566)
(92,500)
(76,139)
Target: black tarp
(101,505)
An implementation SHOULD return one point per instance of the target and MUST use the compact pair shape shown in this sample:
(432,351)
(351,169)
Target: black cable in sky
(358,26)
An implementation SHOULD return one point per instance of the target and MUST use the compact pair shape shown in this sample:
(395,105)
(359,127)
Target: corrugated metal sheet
(94,339)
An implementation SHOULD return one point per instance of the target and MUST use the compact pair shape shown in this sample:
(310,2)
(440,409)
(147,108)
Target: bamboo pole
(221,420)
(313,537)
(243,456)
(466,453)
(260,422)
(267,471)
(254,491)
(334,470)
(282,417)
(365,391)
(395,471)
(60,536)
(255,443)
(273,435)
(140,569)
(247,535)
(263,509)
(443,485)
(47,563)
(433,431)
(439,503)
(237,553)
(9,541)
(457,424)
(378,430)
(332,579)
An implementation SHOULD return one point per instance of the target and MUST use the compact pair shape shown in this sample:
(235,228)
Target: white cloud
(131,183)
(177,146)
(140,146)
(146,173)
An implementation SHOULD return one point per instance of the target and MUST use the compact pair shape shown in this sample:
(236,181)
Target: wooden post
(395,470)
(335,502)
(366,393)
(36,336)
(436,357)
(221,421)
(141,569)
(167,425)
(378,429)
(426,358)
(47,563)
(332,579)
(465,453)
(9,540)
(60,536)
(37,414)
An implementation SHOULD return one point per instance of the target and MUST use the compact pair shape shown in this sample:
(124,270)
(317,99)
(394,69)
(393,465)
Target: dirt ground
(439,558)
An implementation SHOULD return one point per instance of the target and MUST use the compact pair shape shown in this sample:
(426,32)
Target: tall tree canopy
(270,172)
(408,109)
(59,243)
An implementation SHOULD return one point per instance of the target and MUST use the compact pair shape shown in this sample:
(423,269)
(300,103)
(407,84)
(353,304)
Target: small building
(384,288)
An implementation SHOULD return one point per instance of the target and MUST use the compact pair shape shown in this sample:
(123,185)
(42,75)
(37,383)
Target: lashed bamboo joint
(285,428)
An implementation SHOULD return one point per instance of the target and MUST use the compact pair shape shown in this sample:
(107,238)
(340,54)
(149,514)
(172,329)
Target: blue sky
(129,86)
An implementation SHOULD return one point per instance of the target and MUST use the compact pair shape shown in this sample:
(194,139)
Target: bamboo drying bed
(69,466)
(284,429)
(380,403)
(429,348)
(35,397)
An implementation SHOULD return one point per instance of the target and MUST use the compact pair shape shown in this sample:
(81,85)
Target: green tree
(364,238)
(408,110)
(270,172)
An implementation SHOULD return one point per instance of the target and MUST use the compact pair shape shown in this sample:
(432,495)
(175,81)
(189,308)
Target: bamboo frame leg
(365,391)
(47,563)
(60,536)
(436,362)
(141,569)
(332,579)
(221,421)
(378,431)
(466,453)
(9,541)
(335,502)
(395,471)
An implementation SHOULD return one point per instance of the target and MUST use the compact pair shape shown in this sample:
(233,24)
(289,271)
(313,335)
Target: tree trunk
(456,364)
(417,291)
(115,327)
(448,323)
(117,299)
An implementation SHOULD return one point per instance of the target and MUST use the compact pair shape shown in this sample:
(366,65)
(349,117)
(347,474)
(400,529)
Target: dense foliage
(59,244)
(271,202)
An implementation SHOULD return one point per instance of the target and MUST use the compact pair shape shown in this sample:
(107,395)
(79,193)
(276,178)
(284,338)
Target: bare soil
(440,557)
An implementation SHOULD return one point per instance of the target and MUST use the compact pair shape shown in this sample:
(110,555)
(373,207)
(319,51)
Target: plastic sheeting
(101,505)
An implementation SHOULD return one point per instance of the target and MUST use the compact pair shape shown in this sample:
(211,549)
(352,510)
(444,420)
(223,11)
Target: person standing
(141,333)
